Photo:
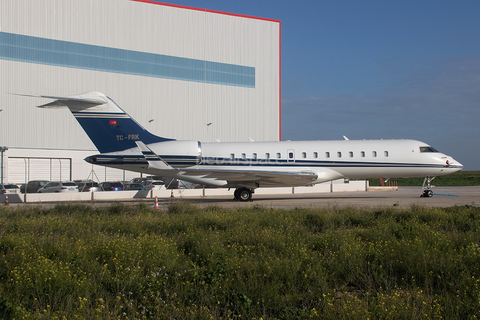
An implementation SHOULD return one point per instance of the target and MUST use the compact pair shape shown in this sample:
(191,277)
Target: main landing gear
(243,194)
(427,190)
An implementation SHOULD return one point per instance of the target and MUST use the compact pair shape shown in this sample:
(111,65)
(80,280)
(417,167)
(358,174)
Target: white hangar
(184,73)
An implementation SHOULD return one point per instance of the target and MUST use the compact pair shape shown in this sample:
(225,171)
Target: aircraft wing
(248,178)
(252,177)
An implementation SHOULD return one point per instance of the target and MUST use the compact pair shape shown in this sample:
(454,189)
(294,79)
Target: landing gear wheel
(236,196)
(428,193)
(243,194)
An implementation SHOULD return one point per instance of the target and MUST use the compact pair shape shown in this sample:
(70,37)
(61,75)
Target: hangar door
(26,169)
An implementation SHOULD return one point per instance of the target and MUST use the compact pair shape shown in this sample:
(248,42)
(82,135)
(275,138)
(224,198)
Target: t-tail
(106,124)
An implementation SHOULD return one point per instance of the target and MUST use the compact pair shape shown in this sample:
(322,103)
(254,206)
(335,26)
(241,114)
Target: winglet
(154,161)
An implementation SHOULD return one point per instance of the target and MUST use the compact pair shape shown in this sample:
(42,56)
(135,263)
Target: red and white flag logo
(113,122)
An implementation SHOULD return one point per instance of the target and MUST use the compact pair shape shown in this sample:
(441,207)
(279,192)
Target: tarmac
(404,197)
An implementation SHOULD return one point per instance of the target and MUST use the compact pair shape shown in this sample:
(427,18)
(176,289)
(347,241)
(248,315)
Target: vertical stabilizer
(106,124)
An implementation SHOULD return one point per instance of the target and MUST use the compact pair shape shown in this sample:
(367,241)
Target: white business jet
(246,166)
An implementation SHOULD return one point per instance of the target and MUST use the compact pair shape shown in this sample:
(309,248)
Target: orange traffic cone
(6,200)
(171,195)
(156,203)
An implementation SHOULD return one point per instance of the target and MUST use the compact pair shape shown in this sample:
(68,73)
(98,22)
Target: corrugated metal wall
(201,67)
(180,108)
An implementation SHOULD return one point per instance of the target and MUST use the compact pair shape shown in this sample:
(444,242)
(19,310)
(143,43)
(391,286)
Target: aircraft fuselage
(329,160)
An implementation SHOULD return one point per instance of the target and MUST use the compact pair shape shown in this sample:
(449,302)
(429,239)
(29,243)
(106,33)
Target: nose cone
(453,165)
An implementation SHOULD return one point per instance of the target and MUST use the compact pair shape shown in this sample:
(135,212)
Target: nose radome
(456,165)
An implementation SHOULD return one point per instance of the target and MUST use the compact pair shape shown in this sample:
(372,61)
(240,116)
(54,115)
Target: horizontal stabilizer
(60,102)
(154,161)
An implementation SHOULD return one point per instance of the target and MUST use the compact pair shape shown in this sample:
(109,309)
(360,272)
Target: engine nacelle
(179,153)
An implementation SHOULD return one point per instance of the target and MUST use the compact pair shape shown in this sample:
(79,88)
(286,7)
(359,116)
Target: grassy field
(460,178)
(122,262)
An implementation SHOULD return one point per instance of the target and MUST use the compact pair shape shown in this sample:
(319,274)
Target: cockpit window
(427,149)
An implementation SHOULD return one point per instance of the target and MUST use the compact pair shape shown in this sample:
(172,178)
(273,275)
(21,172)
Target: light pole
(2,150)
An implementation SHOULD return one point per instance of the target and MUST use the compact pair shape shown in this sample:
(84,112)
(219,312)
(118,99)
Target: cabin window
(315,155)
(304,155)
(244,156)
(385,153)
(279,155)
(254,156)
(327,154)
(339,154)
(374,154)
(232,156)
(290,155)
(362,154)
(350,154)
(267,155)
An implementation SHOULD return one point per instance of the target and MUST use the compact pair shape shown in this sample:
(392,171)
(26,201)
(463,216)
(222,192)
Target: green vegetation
(460,178)
(122,262)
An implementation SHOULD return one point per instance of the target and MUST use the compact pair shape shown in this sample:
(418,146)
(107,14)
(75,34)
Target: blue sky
(377,69)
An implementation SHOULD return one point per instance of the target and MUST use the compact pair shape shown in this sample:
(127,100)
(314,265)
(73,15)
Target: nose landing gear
(427,190)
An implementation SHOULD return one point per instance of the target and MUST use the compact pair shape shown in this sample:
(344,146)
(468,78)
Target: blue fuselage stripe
(227,162)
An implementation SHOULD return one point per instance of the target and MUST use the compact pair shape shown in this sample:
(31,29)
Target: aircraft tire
(236,196)
(427,193)
(243,194)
